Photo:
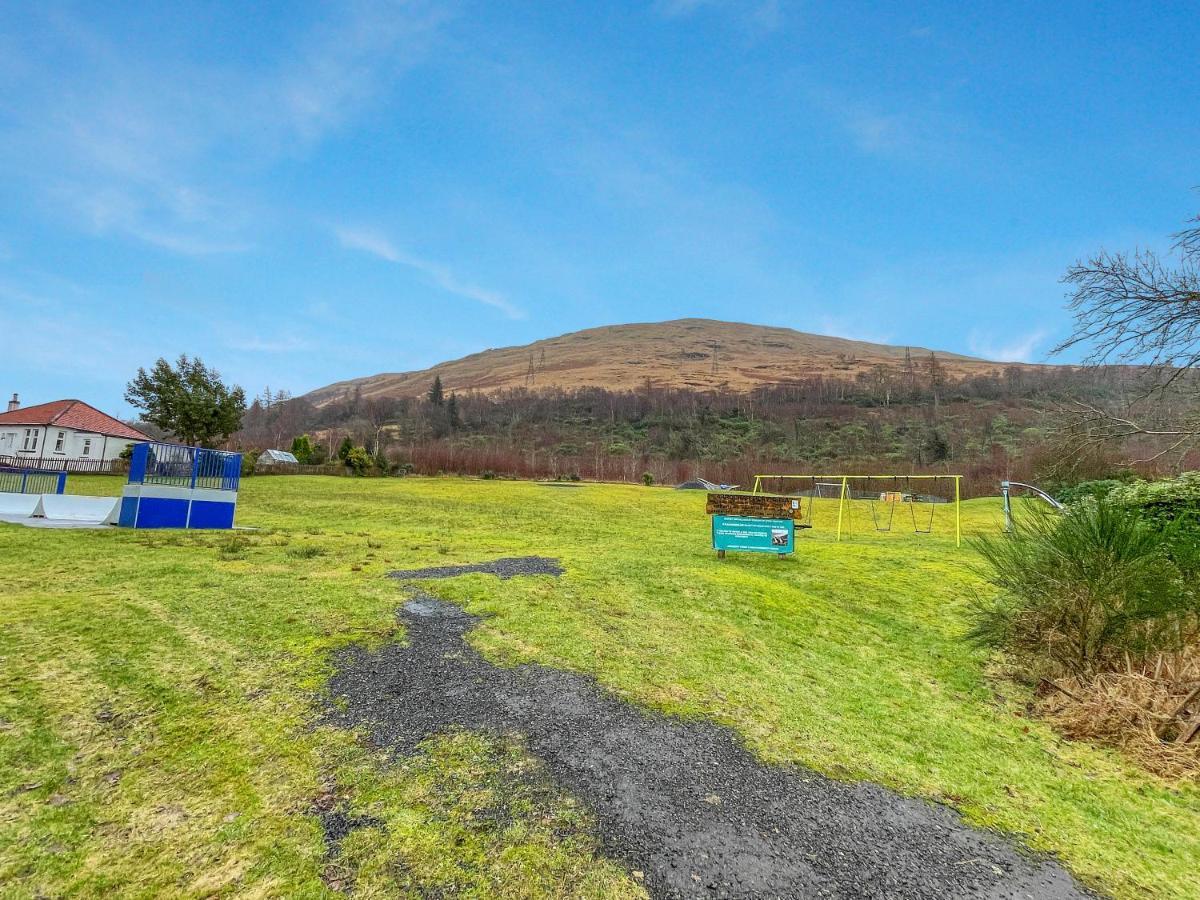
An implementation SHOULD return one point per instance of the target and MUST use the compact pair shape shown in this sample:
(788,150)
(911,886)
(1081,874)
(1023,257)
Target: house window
(60,442)
(87,447)
(31,440)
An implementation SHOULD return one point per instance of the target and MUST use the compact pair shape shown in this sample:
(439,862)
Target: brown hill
(700,354)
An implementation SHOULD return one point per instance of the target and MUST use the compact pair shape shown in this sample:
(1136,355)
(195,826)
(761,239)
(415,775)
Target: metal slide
(1006,489)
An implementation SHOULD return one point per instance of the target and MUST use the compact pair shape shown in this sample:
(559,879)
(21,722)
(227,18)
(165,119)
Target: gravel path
(509,567)
(682,802)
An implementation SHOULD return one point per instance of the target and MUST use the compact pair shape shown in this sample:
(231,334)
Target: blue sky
(301,193)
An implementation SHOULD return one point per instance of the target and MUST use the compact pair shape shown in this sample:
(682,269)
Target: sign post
(753,535)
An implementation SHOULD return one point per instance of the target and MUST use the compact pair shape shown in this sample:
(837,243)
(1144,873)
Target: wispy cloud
(1007,348)
(872,129)
(258,344)
(844,327)
(878,132)
(440,275)
(914,127)
(763,15)
(125,143)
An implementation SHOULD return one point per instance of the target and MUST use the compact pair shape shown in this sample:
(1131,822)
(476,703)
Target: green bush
(1164,501)
(358,460)
(249,458)
(1081,591)
(302,449)
(647,479)
(1084,490)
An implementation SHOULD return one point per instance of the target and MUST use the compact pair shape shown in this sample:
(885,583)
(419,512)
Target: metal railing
(180,466)
(32,481)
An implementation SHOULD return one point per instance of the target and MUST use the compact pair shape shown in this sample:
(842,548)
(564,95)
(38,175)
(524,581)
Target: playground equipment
(1006,488)
(19,506)
(881,493)
(36,497)
(172,486)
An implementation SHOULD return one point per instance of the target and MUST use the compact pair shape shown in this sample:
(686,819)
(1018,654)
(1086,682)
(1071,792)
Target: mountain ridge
(693,353)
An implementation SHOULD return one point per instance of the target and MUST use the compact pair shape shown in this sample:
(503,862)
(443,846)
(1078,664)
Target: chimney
(14,404)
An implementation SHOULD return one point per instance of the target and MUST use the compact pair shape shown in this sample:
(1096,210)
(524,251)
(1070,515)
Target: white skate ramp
(19,505)
(73,508)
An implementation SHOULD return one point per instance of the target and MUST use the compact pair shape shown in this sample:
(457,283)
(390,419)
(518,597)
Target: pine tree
(436,397)
(345,448)
(302,449)
(452,411)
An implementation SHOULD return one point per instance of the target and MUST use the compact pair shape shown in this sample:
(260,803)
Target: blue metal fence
(180,466)
(32,481)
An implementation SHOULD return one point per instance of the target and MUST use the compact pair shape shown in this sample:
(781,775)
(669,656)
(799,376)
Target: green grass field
(160,692)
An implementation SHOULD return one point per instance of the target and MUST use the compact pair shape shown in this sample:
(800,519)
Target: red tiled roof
(72,414)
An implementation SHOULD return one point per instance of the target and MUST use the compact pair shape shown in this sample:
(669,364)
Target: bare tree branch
(1138,310)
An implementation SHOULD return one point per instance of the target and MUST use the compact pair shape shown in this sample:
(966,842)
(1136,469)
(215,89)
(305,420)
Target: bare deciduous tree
(1141,310)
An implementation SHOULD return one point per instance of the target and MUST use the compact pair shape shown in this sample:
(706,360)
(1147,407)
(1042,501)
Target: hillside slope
(700,354)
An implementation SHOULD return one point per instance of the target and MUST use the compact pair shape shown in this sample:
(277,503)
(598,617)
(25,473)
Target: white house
(62,431)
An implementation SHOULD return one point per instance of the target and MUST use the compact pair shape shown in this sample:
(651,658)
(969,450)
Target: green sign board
(758,535)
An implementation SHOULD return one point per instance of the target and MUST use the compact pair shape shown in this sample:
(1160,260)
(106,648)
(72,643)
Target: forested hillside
(890,419)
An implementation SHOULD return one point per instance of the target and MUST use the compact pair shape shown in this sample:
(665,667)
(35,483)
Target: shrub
(249,458)
(302,449)
(1164,502)
(358,460)
(1084,490)
(647,479)
(1083,591)
(487,475)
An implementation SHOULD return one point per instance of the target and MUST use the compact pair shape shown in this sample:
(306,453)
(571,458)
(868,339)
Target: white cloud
(877,132)
(438,274)
(674,8)
(129,144)
(843,327)
(258,344)
(1006,347)
(763,15)
(913,127)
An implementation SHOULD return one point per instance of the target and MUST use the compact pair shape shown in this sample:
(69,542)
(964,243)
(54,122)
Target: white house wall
(103,448)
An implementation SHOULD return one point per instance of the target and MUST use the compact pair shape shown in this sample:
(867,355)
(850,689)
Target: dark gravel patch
(509,567)
(683,802)
(337,822)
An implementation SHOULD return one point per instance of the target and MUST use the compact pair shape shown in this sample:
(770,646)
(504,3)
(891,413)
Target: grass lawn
(160,692)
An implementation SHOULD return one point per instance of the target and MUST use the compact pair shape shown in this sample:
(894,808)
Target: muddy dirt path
(682,802)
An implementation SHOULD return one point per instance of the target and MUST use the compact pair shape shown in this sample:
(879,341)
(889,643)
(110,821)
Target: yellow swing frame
(844,493)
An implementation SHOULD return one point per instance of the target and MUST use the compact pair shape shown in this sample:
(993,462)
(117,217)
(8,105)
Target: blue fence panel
(137,463)
(180,466)
(32,481)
